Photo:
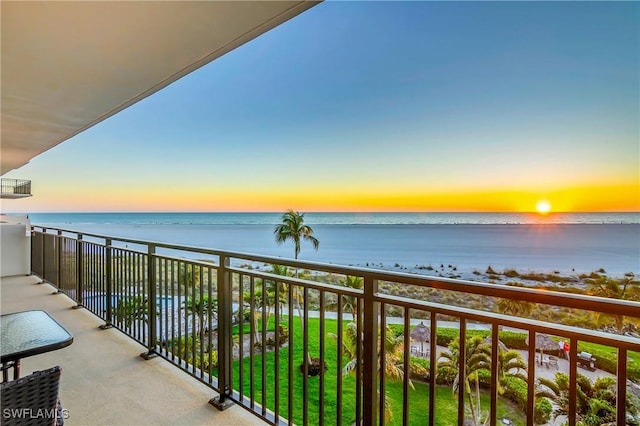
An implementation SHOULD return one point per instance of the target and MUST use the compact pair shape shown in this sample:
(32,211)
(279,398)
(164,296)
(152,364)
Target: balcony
(15,188)
(103,379)
(241,328)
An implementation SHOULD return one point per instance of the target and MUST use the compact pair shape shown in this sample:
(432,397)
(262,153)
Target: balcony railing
(245,332)
(15,188)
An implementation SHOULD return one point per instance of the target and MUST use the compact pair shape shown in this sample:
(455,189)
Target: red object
(566,347)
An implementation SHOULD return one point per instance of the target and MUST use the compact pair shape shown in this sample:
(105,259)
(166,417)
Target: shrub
(513,339)
(447,335)
(445,376)
(484,376)
(206,365)
(314,369)
(543,410)
(516,390)
(418,368)
(283,332)
(511,273)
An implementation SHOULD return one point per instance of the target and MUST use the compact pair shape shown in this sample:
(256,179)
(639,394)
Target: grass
(446,402)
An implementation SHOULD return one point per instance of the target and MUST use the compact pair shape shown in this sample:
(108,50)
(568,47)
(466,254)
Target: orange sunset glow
(327,122)
(596,199)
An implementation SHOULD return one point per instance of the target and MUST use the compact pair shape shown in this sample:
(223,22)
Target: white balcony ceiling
(69,65)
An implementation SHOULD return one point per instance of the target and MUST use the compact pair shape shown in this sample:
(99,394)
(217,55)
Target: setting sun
(543,207)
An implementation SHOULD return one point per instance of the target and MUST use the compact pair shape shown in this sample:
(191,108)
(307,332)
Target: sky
(379,106)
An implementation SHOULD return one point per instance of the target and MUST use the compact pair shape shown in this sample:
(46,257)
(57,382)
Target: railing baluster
(240,336)
(44,255)
(252,342)
(109,278)
(359,364)
(202,311)
(370,351)
(321,376)
(179,308)
(263,347)
(276,367)
(573,377)
(339,363)
(151,302)
(405,376)
(210,321)
(305,351)
(383,362)
(290,296)
(161,304)
(58,247)
(194,319)
(225,339)
(433,367)
(80,278)
(621,394)
(462,366)
(175,309)
(493,410)
(531,378)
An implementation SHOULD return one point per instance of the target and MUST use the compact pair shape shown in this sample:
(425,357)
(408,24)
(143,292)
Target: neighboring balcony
(15,188)
(312,343)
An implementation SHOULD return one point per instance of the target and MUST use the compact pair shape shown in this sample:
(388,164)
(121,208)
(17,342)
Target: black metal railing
(294,345)
(15,187)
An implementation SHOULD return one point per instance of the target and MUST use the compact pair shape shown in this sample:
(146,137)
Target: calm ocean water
(568,242)
(334,218)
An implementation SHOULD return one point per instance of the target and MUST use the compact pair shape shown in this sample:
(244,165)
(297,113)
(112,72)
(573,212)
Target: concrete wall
(15,245)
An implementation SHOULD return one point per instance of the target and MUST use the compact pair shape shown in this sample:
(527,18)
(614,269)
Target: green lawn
(446,402)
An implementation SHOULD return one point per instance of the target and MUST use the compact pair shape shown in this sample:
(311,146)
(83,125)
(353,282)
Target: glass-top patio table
(28,333)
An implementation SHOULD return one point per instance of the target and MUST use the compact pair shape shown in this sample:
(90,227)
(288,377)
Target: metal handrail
(570,300)
(104,277)
(15,186)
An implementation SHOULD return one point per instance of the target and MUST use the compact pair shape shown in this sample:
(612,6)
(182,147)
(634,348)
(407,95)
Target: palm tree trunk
(473,412)
(299,309)
(479,411)
(619,323)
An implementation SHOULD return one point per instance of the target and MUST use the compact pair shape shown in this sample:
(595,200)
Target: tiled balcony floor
(104,380)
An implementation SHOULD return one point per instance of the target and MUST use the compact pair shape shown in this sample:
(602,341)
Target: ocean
(564,242)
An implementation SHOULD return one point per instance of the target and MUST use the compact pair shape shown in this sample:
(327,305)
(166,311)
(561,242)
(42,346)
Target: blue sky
(391,106)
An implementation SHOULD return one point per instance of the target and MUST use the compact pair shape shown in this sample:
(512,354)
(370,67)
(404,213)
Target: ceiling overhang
(68,65)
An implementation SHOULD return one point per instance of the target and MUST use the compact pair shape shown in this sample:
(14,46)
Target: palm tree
(478,357)
(282,288)
(350,303)
(596,401)
(393,359)
(293,228)
(515,307)
(130,309)
(625,289)
(201,307)
(510,364)
(188,274)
